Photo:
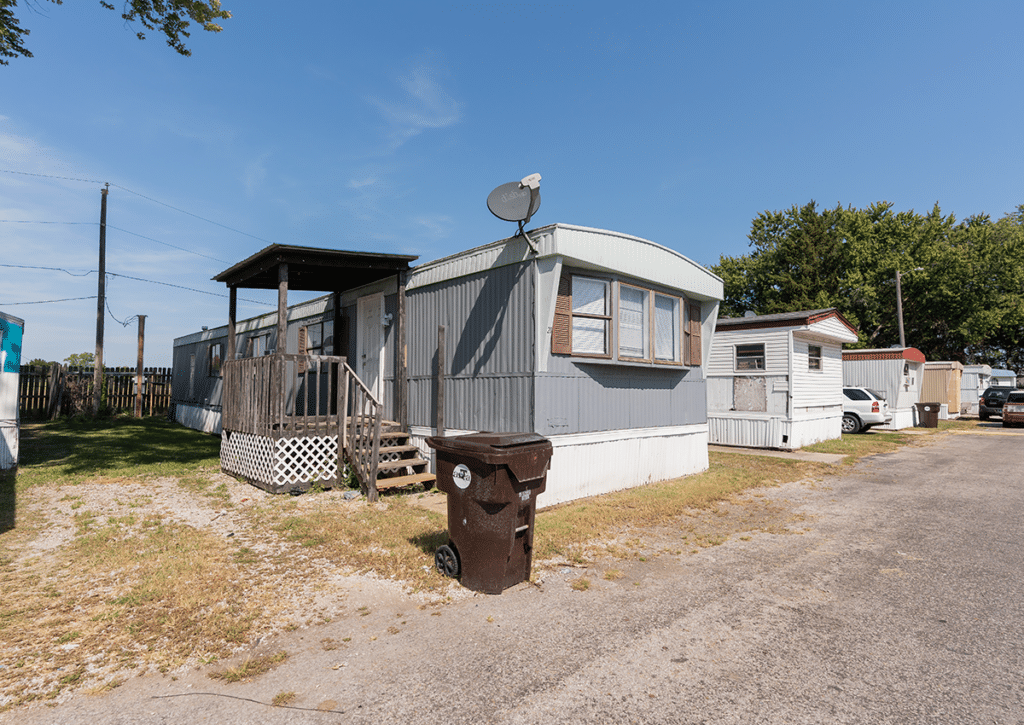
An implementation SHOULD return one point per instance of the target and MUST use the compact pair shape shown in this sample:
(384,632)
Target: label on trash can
(525,495)
(462,476)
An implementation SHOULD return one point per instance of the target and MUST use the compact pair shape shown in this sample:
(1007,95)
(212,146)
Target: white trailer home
(897,373)
(973,383)
(776,381)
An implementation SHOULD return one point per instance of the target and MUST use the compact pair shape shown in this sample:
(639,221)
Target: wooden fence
(47,391)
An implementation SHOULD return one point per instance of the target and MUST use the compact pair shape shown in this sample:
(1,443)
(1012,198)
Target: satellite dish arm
(533,244)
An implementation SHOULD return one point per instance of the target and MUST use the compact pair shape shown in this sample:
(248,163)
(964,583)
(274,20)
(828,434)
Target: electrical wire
(36,221)
(166,244)
(190,289)
(46,302)
(52,269)
(49,176)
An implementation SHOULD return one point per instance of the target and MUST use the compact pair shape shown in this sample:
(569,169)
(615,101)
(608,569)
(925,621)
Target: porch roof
(313,269)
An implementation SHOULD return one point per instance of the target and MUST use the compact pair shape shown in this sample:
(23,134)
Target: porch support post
(232,315)
(336,304)
(282,308)
(401,360)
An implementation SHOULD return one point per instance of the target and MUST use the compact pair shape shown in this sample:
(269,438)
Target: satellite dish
(517,201)
(513,202)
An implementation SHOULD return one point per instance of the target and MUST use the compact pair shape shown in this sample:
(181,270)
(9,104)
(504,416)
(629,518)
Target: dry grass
(250,668)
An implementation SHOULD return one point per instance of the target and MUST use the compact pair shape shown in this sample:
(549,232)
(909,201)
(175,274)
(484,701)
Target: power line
(190,289)
(166,244)
(46,302)
(29,266)
(35,221)
(147,198)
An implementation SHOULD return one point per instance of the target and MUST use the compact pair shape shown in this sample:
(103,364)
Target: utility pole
(138,369)
(101,301)
(899,308)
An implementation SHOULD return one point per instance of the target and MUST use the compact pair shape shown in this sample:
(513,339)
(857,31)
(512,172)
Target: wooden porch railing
(286,396)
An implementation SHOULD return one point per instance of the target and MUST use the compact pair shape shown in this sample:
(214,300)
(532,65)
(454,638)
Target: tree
(80,359)
(170,17)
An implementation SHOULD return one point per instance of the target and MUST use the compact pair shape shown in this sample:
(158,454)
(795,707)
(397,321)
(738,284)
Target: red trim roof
(892,353)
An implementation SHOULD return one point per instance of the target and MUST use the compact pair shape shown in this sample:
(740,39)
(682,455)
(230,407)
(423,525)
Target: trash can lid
(485,441)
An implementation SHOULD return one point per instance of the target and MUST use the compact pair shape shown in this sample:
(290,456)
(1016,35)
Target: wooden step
(408,448)
(401,463)
(427,479)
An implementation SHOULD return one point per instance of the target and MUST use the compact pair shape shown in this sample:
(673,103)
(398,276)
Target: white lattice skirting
(280,464)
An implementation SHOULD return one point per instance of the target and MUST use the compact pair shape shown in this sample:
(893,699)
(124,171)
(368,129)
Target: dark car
(991,402)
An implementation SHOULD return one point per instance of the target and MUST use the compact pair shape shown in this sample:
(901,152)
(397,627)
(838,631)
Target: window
(634,323)
(215,358)
(258,345)
(814,357)
(648,324)
(692,334)
(750,357)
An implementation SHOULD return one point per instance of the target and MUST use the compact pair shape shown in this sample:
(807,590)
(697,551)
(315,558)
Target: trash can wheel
(446,561)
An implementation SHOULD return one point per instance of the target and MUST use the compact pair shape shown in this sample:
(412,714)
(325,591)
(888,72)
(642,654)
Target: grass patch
(284,698)
(563,531)
(859,445)
(73,450)
(392,539)
(250,668)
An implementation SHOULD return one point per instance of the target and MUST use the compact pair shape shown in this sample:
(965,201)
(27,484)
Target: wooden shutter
(561,330)
(302,348)
(693,320)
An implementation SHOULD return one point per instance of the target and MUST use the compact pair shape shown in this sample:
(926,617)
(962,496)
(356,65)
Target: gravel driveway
(896,598)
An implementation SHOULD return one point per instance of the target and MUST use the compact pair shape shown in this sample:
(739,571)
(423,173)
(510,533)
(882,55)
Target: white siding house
(776,381)
(972,384)
(897,373)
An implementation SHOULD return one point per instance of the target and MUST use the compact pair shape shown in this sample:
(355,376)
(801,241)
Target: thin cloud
(425,105)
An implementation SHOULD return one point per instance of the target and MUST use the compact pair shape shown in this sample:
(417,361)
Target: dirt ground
(302,591)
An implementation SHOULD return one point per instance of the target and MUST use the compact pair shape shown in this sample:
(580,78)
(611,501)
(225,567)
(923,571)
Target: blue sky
(383,126)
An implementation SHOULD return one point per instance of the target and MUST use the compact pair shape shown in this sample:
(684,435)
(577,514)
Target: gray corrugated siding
(489,325)
(577,397)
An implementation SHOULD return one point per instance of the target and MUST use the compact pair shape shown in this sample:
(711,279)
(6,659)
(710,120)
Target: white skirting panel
(811,428)
(197,417)
(743,429)
(901,418)
(280,465)
(589,464)
(9,436)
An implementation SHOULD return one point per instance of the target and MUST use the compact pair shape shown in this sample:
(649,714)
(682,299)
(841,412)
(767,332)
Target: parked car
(1013,409)
(991,402)
(863,408)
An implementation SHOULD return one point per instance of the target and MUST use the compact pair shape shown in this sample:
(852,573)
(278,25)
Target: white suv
(863,408)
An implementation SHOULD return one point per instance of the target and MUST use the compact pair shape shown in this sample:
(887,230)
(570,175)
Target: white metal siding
(722,360)
(816,388)
(832,327)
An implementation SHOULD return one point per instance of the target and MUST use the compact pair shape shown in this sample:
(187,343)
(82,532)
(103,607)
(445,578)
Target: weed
(612,574)
(250,668)
(284,698)
(580,585)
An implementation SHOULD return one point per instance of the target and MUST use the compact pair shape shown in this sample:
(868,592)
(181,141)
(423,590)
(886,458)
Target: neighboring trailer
(776,381)
(975,379)
(1004,378)
(941,384)
(895,372)
(597,341)
(11,332)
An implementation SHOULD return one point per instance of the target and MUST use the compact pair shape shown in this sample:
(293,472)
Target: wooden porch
(291,422)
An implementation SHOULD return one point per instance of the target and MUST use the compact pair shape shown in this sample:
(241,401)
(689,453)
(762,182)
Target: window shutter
(561,330)
(694,323)
(302,348)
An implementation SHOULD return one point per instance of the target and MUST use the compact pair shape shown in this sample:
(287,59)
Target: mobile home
(776,381)
(895,372)
(597,340)
(942,382)
(976,378)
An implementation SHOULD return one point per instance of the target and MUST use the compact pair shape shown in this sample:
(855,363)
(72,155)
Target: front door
(370,342)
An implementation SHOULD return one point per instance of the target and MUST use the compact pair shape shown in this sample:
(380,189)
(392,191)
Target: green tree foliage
(172,18)
(80,359)
(962,283)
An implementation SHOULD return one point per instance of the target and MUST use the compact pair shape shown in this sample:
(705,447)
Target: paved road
(900,602)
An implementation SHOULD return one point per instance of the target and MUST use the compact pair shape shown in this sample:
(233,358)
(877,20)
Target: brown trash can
(928,415)
(492,481)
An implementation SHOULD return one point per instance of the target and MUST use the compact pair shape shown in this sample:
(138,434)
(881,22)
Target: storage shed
(895,372)
(976,378)
(776,381)
(598,341)
(942,381)
(11,332)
